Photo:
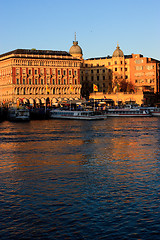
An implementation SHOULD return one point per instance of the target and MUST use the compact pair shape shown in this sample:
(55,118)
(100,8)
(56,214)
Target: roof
(108,57)
(97,58)
(36,52)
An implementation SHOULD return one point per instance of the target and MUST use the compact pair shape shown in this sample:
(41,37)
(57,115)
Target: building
(95,74)
(33,76)
(36,76)
(130,73)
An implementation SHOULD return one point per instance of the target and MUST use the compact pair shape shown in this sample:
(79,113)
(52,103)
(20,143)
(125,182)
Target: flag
(47,89)
(95,88)
(71,88)
(18,103)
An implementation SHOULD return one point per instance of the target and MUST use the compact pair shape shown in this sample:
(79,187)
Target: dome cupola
(118,52)
(76,50)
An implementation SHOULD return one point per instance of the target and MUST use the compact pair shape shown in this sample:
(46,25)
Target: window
(36,81)
(121,62)
(64,72)
(138,61)
(103,70)
(69,72)
(109,64)
(23,81)
(36,71)
(17,81)
(91,71)
(29,71)
(30,81)
(139,67)
(53,81)
(97,78)
(75,73)
(115,69)
(59,72)
(92,78)
(41,81)
(64,81)
(70,81)
(97,70)
(149,67)
(59,81)
(115,62)
(103,77)
(126,69)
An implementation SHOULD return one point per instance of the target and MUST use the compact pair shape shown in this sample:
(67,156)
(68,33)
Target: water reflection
(80,180)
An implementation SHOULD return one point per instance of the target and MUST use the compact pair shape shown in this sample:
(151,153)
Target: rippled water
(80,180)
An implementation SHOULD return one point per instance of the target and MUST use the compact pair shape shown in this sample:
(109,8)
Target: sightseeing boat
(76,115)
(18,114)
(128,112)
(155,111)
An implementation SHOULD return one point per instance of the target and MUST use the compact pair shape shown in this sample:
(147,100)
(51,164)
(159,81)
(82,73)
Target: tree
(86,89)
(121,85)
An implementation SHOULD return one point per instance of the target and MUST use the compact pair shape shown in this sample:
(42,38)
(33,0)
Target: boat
(155,111)
(76,115)
(128,112)
(18,114)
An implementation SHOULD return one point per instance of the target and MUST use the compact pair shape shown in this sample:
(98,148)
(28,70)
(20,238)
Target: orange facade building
(36,75)
(141,73)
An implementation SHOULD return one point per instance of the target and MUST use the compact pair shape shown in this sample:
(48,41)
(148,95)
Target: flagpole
(95,89)
(45,107)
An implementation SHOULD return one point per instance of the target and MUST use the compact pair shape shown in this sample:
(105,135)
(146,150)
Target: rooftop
(36,52)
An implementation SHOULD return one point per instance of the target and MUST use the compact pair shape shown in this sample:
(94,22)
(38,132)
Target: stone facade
(37,75)
(33,76)
(141,73)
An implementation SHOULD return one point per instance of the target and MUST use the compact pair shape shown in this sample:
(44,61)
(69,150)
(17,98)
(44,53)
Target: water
(80,179)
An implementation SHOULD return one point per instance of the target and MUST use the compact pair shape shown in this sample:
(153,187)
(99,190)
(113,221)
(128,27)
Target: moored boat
(128,112)
(155,111)
(76,115)
(18,114)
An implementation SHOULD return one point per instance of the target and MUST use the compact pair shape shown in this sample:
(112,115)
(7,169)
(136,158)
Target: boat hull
(128,113)
(75,115)
(18,115)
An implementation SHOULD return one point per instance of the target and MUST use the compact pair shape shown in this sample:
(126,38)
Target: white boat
(78,115)
(18,114)
(128,112)
(155,111)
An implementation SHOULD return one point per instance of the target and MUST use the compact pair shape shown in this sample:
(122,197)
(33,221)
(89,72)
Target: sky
(99,26)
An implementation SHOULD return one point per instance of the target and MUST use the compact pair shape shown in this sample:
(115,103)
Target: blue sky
(100,24)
